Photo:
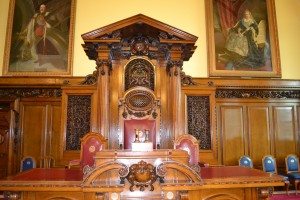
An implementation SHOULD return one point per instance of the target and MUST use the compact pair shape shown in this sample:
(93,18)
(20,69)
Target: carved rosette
(141,175)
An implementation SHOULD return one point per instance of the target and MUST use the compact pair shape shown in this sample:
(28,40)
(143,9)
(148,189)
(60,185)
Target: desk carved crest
(141,175)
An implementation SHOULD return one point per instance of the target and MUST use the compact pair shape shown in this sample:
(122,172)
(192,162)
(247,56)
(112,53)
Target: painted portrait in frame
(39,38)
(242,38)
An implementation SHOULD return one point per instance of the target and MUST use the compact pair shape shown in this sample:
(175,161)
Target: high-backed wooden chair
(190,144)
(270,166)
(246,161)
(293,169)
(27,163)
(91,143)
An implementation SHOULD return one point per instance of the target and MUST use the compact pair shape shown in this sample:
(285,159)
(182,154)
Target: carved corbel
(102,64)
(177,64)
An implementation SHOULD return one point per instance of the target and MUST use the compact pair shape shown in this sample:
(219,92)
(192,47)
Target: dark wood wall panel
(233,136)
(284,132)
(258,132)
(40,125)
(33,129)
(257,128)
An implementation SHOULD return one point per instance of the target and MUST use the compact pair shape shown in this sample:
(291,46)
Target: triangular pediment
(139,25)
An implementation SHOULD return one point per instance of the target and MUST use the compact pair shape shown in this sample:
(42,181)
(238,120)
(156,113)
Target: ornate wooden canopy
(139,35)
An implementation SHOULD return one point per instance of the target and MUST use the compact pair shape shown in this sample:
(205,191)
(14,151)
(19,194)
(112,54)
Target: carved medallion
(139,46)
(141,175)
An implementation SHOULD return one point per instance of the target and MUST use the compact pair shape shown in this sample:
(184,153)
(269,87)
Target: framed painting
(39,38)
(242,38)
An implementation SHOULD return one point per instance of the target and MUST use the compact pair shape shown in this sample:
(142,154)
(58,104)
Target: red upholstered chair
(90,144)
(129,131)
(190,144)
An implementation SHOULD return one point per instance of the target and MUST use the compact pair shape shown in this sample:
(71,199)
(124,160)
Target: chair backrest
(91,143)
(246,161)
(27,163)
(190,144)
(269,164)
(140,124)
(291,163)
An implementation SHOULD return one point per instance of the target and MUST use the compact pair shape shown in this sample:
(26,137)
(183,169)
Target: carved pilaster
(104,67)
(174,69)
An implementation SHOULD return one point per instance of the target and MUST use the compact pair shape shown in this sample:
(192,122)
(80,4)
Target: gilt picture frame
(39,38)
(242,38)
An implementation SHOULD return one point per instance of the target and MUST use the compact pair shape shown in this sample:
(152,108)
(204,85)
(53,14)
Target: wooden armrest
(73,163)
(203,164)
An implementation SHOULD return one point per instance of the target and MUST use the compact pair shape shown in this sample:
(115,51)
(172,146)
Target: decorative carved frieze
(263,94)
(198,120)
(31,92)
(78,120)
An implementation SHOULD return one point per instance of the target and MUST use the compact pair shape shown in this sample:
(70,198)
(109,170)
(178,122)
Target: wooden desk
(103,181)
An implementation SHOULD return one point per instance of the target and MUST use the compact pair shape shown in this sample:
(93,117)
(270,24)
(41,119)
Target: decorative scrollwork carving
(186,80)
(31,92)
(90,79)
(141,175)
(139,72)
(265,94)
(78,120)
(161,172)
(198,116)
(123,172)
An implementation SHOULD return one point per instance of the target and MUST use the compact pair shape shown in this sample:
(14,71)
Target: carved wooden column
(174,67)
(103,67)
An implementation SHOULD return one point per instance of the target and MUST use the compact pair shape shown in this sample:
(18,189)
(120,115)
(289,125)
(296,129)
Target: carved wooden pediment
(138,35)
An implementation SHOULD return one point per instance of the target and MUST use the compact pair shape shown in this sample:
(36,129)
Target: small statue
(147,135)
(137,138)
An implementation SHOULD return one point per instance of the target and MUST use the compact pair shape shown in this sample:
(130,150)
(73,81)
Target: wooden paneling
(257,127)
(233,136)
(258,133)
(40,126)
(284,130)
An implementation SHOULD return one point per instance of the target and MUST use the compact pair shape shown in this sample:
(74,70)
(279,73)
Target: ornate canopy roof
(139,35)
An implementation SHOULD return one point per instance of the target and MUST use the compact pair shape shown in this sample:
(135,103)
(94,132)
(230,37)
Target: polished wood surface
(217,182)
